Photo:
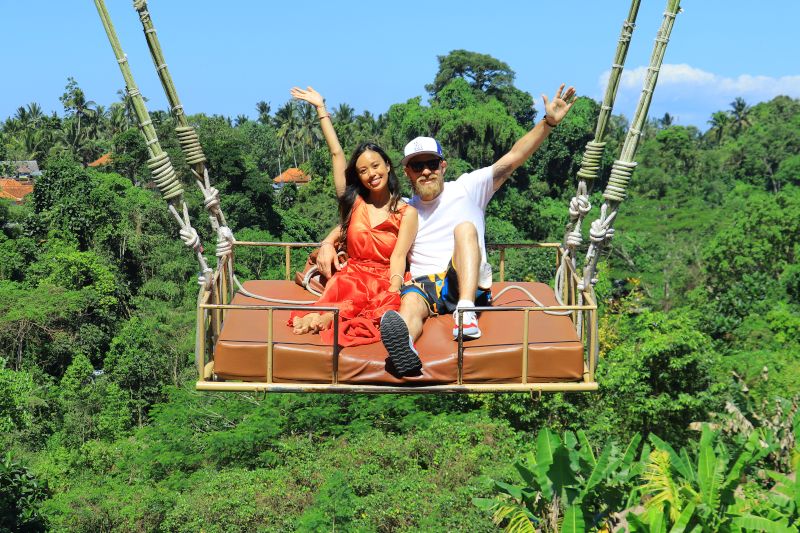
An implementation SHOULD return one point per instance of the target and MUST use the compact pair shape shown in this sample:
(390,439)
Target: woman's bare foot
(312,322)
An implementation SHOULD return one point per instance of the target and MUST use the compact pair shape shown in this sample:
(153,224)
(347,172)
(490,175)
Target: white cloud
(686,76)
(692,92)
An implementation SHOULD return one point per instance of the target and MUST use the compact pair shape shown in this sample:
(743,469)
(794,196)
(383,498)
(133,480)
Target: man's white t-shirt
(462,200)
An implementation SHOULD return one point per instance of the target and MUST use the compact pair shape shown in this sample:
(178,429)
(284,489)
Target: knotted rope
(164,176)
(193,152)
(190,144)
(159,162)
(602,230)
(580,206)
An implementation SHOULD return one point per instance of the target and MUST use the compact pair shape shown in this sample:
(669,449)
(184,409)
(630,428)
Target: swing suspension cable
(593,154)
(580,206)
(159,163)
(193,151)
(602,229)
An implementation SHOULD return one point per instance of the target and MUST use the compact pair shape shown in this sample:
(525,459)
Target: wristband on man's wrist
(548,122)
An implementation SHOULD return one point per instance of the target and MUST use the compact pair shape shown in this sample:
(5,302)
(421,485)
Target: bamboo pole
(270,347)
(592,155)
(187,136)
(159,162)
(623,168)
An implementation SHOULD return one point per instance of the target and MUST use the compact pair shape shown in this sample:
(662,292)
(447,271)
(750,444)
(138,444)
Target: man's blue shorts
(440,291)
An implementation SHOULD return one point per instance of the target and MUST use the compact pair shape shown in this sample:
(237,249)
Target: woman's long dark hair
(353,187)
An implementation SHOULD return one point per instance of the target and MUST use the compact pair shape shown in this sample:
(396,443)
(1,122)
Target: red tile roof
(103,160)
(14,190)
(293,175)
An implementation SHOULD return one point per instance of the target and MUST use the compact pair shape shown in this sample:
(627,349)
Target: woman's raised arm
(337,154)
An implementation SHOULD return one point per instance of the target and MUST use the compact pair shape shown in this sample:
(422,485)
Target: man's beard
(430,190)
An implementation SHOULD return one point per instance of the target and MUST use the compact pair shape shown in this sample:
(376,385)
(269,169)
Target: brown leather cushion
(554,351)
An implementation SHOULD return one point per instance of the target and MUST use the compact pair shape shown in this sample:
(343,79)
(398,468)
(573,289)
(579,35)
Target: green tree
(21,495)
(145,356)
(485,75)
(740,115)
(719,124)
(92,407)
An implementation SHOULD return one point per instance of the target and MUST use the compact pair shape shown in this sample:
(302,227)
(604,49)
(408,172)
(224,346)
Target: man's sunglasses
(430,164)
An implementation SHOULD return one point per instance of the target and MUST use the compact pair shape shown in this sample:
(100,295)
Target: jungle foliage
(693,426)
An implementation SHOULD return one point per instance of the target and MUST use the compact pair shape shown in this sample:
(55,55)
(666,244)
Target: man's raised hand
(557,108)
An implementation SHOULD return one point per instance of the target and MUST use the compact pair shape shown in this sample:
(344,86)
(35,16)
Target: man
(449,253)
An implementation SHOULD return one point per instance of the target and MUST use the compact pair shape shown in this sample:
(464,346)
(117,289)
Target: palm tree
(719,123)
(286,124)
(127,104)
(344,114)
(75,140)
(78,107)
(21,118)
(666,121)
(263,109)
(240,119)
(117,120)
(309,133)
(367,124)
(34,142)
(31,116)
(740,115)
(97,122)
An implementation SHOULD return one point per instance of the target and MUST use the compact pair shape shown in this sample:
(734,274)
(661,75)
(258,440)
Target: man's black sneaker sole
(394,334)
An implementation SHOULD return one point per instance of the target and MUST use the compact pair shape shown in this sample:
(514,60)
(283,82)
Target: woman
(377,229)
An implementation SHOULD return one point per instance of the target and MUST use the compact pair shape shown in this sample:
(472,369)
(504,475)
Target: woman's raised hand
(308,95)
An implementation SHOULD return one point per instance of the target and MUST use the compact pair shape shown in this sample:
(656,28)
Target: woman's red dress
(361,289)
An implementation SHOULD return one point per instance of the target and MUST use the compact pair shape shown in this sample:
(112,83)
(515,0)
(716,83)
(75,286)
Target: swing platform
(244,343)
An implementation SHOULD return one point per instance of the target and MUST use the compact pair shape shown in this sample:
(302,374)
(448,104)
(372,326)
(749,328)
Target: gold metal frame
(213,303)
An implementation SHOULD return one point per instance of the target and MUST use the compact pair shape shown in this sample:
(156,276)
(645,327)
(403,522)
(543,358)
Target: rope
(159,163)
(211,200)
(602,230)
(191,239)
(621,173)
(592,159)
(532,298)
(225,241)
(190,145)
(164,176)
(268,299)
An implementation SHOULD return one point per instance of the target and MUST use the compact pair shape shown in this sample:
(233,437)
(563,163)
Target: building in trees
(290,175)
(17,178)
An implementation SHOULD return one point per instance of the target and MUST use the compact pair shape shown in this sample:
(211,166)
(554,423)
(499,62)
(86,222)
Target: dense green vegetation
(700,294)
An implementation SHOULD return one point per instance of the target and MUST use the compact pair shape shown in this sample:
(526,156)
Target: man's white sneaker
(471,329)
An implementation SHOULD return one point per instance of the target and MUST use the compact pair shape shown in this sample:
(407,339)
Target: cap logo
(418,146)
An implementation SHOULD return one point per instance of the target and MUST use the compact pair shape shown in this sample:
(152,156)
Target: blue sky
(226,56)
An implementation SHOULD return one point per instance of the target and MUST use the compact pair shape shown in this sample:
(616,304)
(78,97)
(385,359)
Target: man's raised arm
(555,110)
